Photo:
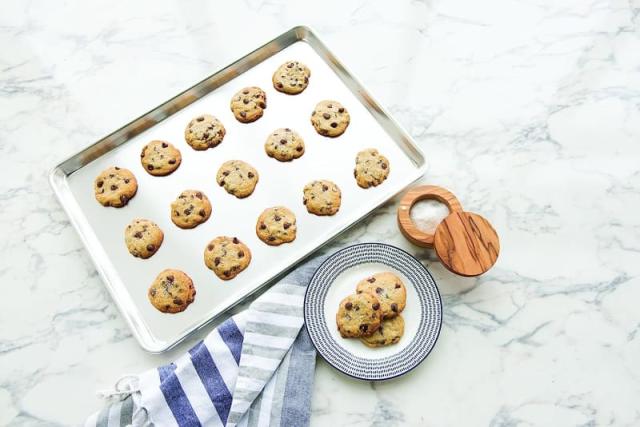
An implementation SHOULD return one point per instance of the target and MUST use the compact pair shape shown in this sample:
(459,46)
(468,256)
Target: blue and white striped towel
(255,369)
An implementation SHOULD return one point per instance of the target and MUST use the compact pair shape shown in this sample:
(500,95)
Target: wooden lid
(466,243)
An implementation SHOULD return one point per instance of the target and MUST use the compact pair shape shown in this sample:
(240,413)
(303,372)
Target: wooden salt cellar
(465,242)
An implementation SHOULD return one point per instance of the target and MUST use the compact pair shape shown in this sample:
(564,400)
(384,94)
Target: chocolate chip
(306,80)
(138,235)
(286,225)
(383,165)
(379,290)
(117,168)
(187,211)
(364,327)
(199,195)
(394,307)
(235,240)
(151,248)
(326,115)
(178,301)
(304,201)
(271,238)
(325,188)
(279,85)
(262,105)
(240,254)
(277,218)
(152,292)
(225,173)
(226,273)
(126,181)
(334,125)
(330,106)
(287,130)
(283,141)
(114,187)
(210,247)
(201,118)
(398,285)
(172,161)
(165,145)
(313,114)
(250,175)
(371,279)
(299,148)
(375,306)
(124,199)
(99,184)
(222,183)
(170,278)
(245,101)
(245,91)
(290,65)
(150,167)
(348,305)
(262,226)
(205,135)
(216,261)
(243,114)
(340,110)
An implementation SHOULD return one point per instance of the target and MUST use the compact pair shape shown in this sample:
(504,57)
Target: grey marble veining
(528,111)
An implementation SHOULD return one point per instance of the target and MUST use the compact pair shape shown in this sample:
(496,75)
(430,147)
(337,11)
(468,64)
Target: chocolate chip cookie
(276,226)
(322,197)
(172,291)
(372,168)
(248,105)
(330,118)
(292,77)
(190,209)
(237,178)
(143,238)
(115,187)
(204,131)
(284,144)
(227,257)
(160,158)
(389,290)
(389,332)
(359,315)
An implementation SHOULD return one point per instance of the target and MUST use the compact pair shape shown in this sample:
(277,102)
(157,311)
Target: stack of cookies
(373,312)
(173,290)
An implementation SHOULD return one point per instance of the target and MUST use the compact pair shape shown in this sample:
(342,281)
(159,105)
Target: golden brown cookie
(372,168)
(389,290)
(292,77)
(160,158)
(237,178)
(330,118)
(276,226)
(190,209)
(358,315)
(172,291)
(322,197)
(389,332)
(115,187)
(204,131)
(143,238)
(227,257)
(248,104)
(284,144)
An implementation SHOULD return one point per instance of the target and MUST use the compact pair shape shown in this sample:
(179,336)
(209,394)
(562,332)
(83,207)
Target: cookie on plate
(322,197)
(248,104)
(172,291)
(389,332)
(115,187)
(330,118)
(359,315)
(237,178)
(227,257)
(389,290)
(276,226)
(143,238)
(292,77)
(190,209)
(284,144)
(372,168)
(160,158)
(204,131)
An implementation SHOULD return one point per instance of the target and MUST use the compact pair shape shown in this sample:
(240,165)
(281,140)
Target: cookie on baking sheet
(322,197)
(389,332)
(372,168)
(237,178)
(389,290)
(248,104)
(204,131)
(358,315)
(227,257)
(330,118)
(284,144)
(292,77)
(172,291)
(115,187)
(160,158)
(190,209)
(143,238)
(276,226)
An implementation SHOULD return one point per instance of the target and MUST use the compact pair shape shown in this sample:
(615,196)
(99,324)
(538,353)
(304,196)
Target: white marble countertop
(528,111)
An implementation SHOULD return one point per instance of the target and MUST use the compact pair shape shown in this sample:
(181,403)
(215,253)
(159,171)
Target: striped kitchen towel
(254,369)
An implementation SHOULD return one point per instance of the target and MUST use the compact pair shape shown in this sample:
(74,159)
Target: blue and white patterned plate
(337,277)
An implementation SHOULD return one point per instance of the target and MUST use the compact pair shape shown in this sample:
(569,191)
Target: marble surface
(528,110)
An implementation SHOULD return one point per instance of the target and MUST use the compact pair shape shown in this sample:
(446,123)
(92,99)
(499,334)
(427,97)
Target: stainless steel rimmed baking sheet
(102,229)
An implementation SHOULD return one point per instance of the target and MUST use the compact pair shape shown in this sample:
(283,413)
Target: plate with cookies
(373,311)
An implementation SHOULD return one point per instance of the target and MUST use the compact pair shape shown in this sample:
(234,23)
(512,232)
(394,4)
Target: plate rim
(317,349)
